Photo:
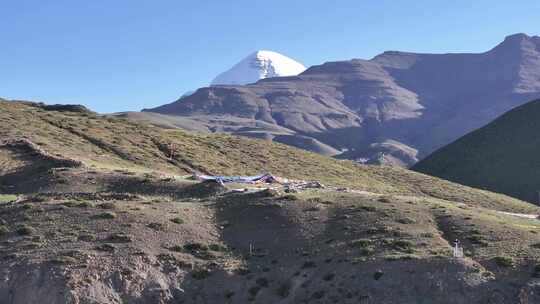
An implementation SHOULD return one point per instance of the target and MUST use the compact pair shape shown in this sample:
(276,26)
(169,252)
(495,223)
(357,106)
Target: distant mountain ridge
(395,108)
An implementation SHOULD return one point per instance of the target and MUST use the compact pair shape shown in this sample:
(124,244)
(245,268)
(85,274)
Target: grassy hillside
(96,210)
(501,157)
(118,144)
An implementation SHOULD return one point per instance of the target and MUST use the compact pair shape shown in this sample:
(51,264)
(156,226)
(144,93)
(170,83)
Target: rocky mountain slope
(501,156)
(395,108)
(99,210)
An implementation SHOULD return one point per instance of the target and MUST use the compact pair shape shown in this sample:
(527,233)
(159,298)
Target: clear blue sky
(116,55)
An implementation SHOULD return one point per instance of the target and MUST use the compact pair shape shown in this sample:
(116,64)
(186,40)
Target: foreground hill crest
(501,156)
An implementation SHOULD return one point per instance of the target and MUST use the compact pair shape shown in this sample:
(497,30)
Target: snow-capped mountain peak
(259,65)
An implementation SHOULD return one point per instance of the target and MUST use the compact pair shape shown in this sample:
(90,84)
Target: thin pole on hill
(458,250)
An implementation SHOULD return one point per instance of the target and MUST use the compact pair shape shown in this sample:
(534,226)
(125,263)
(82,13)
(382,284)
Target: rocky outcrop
(30,149)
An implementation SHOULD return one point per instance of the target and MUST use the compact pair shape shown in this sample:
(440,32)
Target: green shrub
(107,205)
(385,199)
(243,271)
(314,200)
(217,247)
(254,290)
(177,220)
(402,245)
(309,264)
(39,198)
(406,221)
(33,245)
(318,294)
(195,247)
(361,243)
(536,271)
(367,251)
(358,260)
(176,248)
(156,226)
(84,205)
(70,204)
(402,257)
(329,276)
(200,274)
(106,247)
(368,208)
(120,238)
(4,230)
(26,230)
(477,240)
(283,290)
(263,282)
(64,260)
(378,274)
(504,261)
(87,237)
(105,215)
(289,197)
